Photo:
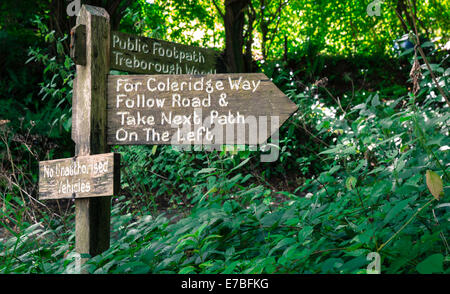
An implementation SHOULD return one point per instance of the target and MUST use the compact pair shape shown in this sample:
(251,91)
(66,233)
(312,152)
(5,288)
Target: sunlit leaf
(434,184)
(350,183)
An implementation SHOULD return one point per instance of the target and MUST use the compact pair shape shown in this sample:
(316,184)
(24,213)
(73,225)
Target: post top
(94,10)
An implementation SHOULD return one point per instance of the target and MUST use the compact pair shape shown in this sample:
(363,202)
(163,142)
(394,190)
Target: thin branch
(337,100)
(401,229)
(311,134)
(422,54)
(433,77)
(278,22)
(272,16)
(218,9)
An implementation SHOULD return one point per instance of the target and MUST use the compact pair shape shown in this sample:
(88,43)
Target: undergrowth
(360,173)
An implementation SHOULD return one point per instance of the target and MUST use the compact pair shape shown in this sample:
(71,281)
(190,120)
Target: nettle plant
(393,162)
(57,79)
(382,177)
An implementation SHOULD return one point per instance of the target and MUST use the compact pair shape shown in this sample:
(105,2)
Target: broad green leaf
(406,52)
(230,267)
(271,219)
(362,163)
(331,151)
(427,44)
(290,252)
(357,263)
(282,243)
(187,270)
(432,264)
(186,243)
(375,100)
(211,237)
(359,106)
(212,190)
(386,123)
(396,210)
(329,264)
(241,164)
(304,233)
(206,170)
(334,169)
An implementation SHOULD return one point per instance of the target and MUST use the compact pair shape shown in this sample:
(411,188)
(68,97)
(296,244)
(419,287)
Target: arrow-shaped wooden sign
(214,109)
(138,54)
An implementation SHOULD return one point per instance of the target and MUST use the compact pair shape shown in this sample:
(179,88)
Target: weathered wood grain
(92,215)
(89,117)
(79,177)
(262,105)
(138,54)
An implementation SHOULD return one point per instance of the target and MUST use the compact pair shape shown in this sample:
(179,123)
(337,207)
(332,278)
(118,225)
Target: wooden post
(92,218)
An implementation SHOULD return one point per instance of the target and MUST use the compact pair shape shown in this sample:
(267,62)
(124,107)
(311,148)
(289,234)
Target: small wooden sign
(80,177)
(213,109)
(151,56)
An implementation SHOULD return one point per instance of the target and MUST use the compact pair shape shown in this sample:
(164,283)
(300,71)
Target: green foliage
(35,123)
(56,88)
(363,164)
(370,195)
(325,27)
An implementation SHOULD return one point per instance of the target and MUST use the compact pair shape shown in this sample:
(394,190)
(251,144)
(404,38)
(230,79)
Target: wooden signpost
(185,103)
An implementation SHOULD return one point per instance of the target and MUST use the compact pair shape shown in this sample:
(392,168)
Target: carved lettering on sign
(78,177)
(196,110)
(151,56)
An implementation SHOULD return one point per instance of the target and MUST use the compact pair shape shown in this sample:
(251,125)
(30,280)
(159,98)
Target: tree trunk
(234,20)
